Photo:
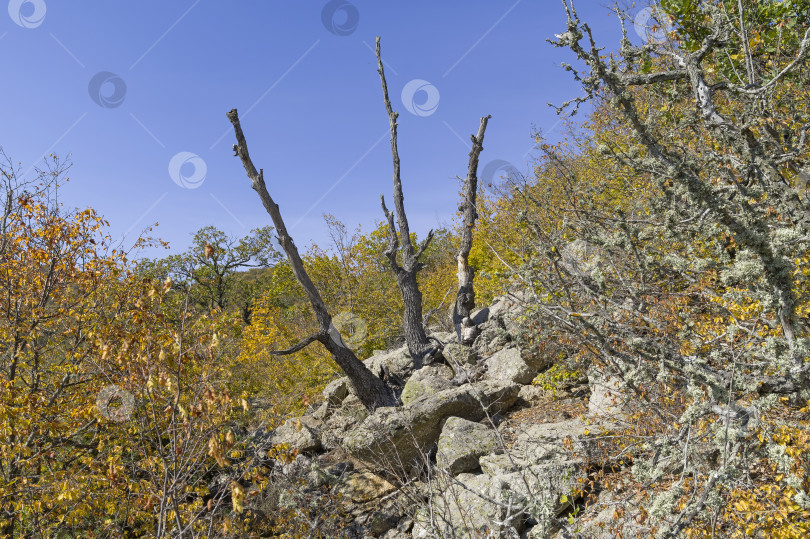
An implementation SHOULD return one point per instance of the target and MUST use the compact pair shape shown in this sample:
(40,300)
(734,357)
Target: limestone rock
(457,354)
(541,482)
(510,310)
(324,411)
(507,365)
(364,487)
(295,433)
(535,357)
(445,337)
(462,442)
(544,442)
(507,307)
(353,408)
(397,363)
(497,464)
(350,413)
(380,522)
(427,381)
(318,477)
(531,395)
(401,531)
(465,511)
(480,316)
(459,511)
(492,338)
(336,390)
(607,397)
(560,442)
(401,435)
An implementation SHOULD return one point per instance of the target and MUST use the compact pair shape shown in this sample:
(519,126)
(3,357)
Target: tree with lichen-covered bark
(696,295)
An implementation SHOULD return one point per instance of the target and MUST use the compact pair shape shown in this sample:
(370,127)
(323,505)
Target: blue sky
(126,87)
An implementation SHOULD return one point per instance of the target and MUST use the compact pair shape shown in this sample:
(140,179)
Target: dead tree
(465,298)
(418,344)
(370,389)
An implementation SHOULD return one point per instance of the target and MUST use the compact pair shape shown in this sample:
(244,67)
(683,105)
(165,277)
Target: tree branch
(399,198)
(418,344)
(465,297)
(424,245)
(257,179)
(320,337)
(393,239)
(370,389)
(639,79)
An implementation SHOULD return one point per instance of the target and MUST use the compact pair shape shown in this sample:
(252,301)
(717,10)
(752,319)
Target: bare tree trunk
(418,344)
(465,299)
(370,389)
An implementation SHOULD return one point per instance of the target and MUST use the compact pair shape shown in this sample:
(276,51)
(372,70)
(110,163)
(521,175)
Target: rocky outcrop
(427,381)
(402,436)
(472,505)
(296,434)
(461,509)
(459,355)
(509,310)
(508,365)
(335,391)
(530,395)
(487,474)
(492,338)
(461,443)
(607,397)
(365,487)
(394,365)
(340,420)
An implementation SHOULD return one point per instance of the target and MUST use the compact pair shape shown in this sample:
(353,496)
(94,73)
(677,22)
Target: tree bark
(415,337)
(370,389)
(465,298)
(748,227)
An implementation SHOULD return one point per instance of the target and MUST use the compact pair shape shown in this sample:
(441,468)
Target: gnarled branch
(370,389)
(465,298)
(418,344)
(320,337)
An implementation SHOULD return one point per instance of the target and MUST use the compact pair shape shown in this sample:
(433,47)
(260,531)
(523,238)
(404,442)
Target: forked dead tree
(406,270)
(370,389)
(465,298)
